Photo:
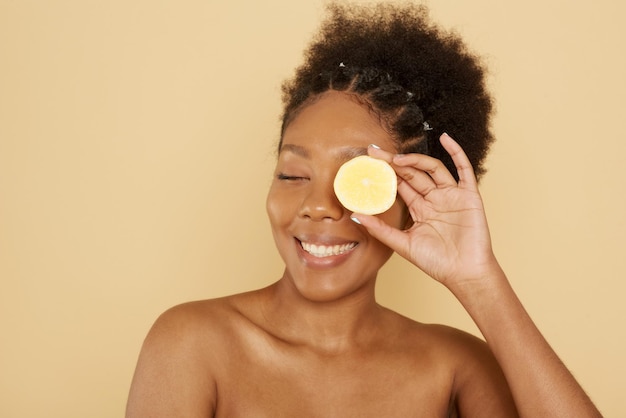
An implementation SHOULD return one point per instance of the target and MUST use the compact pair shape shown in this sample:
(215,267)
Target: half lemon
(366,185)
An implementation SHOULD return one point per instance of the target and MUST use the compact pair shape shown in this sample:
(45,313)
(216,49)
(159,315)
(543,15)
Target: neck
(331,327)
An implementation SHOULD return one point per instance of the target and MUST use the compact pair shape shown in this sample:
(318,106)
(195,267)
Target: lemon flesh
(366,185)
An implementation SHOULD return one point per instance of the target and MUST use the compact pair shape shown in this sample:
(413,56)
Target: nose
(321,203)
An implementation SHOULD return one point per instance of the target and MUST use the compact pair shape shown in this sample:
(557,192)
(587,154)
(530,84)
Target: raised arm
(449,240)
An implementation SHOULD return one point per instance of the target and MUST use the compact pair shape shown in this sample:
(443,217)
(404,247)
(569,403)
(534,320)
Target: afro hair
(420,79)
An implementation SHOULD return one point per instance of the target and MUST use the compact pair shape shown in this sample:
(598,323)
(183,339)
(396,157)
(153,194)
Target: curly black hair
(421,80)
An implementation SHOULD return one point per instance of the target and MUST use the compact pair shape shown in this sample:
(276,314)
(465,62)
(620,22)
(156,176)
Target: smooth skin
(316,343)
(449,217)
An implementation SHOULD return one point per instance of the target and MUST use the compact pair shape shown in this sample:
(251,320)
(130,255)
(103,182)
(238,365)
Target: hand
(449,237)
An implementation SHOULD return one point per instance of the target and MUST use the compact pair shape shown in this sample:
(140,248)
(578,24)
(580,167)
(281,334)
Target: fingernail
(355,220)
(374,146)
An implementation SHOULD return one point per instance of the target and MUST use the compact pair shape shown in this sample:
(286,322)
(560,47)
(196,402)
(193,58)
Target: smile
(318,250)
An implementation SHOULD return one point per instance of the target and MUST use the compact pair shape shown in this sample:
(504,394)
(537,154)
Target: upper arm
(480,388)
(173,377)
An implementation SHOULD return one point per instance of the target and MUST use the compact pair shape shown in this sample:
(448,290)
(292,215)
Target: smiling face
(327,255)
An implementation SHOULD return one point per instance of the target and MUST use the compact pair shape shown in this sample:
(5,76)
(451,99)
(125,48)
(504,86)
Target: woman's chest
(301,384)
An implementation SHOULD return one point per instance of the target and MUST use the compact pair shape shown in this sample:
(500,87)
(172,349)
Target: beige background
(136,147)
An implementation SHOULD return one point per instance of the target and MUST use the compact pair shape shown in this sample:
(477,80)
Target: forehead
(336,120)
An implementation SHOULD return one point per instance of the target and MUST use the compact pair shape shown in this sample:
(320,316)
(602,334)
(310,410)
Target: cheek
(280,207)
(271,207)
(397,216)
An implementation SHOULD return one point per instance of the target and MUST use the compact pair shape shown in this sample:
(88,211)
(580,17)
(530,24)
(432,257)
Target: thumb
(391,237)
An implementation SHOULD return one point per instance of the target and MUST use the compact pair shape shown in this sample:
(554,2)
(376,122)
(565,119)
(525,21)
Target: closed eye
(286,177)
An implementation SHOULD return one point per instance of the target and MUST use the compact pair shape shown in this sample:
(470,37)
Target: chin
(329,288)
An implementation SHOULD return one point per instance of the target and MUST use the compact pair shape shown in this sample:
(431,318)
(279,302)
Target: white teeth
(326,250)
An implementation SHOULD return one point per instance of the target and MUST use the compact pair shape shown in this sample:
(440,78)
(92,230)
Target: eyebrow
(345,154)
(296,149)
(351,152)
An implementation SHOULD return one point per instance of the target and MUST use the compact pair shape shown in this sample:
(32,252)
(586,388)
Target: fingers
(467,178)
(376,152)
(416,171)
(411,164)
(391,237)
(426,173)
(413,184)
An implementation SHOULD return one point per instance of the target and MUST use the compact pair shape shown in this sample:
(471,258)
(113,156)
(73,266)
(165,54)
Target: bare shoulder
(452,342)
(480,388)
(478,384)
(175,374)
(204,322)
(444,340)
(195,318)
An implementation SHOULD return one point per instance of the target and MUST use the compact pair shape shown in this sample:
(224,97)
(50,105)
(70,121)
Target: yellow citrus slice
(366,185)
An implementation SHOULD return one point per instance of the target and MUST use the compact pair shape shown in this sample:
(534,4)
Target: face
(327,255)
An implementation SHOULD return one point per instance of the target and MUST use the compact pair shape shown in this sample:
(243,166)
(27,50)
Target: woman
(381,81)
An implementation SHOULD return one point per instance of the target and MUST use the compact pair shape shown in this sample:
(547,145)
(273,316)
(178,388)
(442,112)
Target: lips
(322,250)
